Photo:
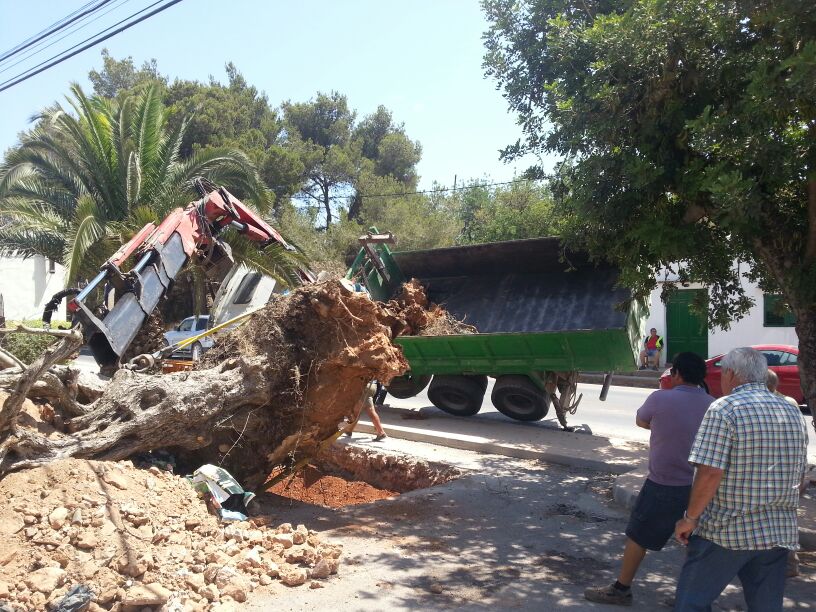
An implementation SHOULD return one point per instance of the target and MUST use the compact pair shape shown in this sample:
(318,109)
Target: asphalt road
(613,418)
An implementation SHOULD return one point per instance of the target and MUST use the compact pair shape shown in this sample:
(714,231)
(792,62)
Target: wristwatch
(690,518)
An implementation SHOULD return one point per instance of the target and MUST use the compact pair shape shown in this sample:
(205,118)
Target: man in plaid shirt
(750,454)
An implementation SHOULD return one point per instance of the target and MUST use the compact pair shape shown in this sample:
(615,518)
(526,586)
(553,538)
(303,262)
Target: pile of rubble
(139,538)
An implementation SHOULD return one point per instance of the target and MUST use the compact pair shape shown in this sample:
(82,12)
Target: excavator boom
(160,252)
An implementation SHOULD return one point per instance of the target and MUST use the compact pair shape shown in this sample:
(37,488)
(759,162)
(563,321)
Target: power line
(448,189)
(58,60)
(54,28)
(79,26)
(56,23)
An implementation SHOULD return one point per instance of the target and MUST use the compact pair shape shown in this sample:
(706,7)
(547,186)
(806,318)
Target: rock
(322,570)
(76,519)
(293,576)
(209,592)
(436,588)
(87,540)
(191,523)
(117,479)
(152,594)
(195,581)
(315,585)
(236,590)
(45,579)
(4,590)
(285,539)
(57,517)
(134,567)
(30,532)
(285,528)
(264,580)
(298,538)
(30,519)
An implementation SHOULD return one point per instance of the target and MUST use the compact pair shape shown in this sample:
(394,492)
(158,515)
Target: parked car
(782,359)
(191,326)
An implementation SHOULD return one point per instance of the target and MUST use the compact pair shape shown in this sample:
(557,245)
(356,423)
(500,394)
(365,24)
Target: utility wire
(448,189)
(79,26)
(56,23)
(54,28)
(58,60)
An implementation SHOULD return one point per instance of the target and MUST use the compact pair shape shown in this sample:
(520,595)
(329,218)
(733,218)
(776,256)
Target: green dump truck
(542,315)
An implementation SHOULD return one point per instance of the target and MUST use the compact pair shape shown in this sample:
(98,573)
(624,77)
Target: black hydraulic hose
(54,303)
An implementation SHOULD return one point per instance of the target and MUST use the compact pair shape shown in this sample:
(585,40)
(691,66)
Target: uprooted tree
(267,395)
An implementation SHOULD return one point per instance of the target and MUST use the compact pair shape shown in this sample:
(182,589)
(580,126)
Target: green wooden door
(685,331)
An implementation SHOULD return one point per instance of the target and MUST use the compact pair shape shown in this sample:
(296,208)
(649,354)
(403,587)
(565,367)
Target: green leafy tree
(509,212)
(83,180)
(116,76)
(319,132)
(688,131)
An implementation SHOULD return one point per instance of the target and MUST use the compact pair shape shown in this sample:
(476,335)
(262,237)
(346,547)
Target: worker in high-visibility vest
(650,355)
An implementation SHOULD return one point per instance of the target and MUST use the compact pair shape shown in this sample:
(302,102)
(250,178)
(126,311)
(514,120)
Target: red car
(782,359)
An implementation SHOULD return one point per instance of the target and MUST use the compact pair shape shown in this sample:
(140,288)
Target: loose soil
(311,485)
(139,537)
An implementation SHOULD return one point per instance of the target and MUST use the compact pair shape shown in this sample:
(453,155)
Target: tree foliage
(688,130)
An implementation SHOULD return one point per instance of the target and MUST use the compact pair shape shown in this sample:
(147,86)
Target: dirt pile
(139,538)
(312,485)
(412,314)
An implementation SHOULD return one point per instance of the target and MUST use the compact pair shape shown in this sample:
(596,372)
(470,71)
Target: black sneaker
(609,595)
(641,368)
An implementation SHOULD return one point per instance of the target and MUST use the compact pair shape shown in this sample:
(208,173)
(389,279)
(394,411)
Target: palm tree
(81,183)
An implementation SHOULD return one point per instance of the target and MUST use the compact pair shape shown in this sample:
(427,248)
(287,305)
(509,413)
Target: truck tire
(519,398)
(408,385)
(457,395)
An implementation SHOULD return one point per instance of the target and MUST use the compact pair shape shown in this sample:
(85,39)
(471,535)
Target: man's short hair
(747,364)
(653,330)
(690,366)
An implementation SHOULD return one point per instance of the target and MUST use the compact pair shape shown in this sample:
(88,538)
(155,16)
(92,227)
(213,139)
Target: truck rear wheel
(408,385)
(457,395)
(519,398)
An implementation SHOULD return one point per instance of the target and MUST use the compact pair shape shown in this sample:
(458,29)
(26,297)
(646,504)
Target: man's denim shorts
(657,509)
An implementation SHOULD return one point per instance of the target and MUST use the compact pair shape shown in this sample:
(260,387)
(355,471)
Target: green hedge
(27,347)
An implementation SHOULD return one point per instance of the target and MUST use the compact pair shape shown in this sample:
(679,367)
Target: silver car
(189,327)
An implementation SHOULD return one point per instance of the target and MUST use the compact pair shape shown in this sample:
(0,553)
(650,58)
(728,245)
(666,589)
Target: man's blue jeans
(710,567)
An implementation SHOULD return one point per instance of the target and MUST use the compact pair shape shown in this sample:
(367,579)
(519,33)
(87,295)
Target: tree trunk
(806,330)
(267,394)
(356,206)
(327,205)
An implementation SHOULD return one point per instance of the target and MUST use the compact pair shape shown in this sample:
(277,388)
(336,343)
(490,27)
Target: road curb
(578,450)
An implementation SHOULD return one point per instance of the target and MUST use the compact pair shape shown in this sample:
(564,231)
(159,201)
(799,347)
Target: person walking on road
(673,416)
(750,454)
(367,403)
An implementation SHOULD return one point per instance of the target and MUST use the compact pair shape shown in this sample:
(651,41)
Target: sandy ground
(511,535)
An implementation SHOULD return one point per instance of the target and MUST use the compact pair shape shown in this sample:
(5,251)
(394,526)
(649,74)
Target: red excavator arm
(159,253)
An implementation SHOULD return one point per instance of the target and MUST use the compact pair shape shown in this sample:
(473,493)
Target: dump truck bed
(536,307)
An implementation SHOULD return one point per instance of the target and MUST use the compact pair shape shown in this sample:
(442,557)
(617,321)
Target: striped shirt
(760,442)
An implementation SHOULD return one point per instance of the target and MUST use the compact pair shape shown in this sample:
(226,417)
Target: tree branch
(57,333)
(53,354)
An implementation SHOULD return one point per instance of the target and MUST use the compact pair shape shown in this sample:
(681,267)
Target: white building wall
(747,331)
(26,286)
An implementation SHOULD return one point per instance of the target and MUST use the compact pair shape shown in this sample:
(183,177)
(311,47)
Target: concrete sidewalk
(626,458)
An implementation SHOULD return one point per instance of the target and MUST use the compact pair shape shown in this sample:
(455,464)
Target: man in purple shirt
(673,417)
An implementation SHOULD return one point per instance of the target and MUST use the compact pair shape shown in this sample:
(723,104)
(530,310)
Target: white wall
(747,331)
(26,285)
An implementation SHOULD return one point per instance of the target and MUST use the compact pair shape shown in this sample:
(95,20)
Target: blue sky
(421,59)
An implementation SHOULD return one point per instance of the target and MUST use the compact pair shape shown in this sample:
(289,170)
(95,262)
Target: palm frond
(86,232)
(274,261)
